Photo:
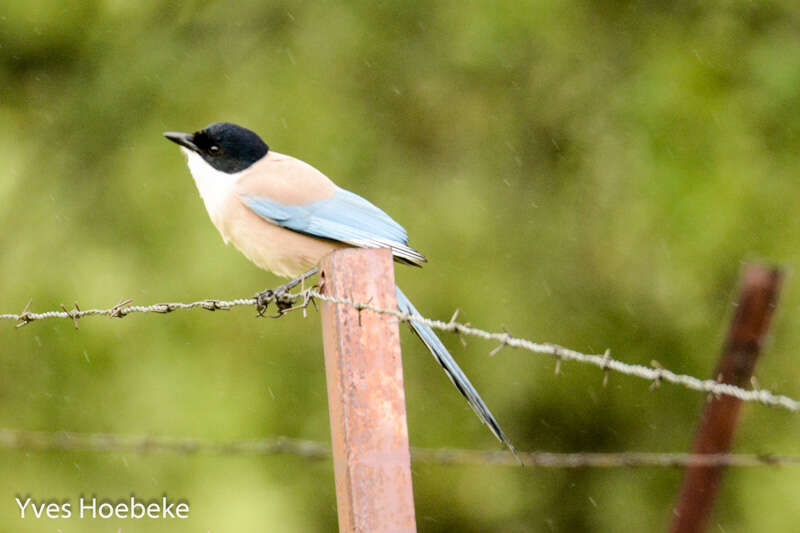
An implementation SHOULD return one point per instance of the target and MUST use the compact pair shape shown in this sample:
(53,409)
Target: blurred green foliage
(590,173)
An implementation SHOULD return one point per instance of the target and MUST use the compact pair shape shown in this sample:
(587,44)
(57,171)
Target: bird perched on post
(285,216)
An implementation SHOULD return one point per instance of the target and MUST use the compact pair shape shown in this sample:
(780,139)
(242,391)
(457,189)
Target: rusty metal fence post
(366,398)
(758,296)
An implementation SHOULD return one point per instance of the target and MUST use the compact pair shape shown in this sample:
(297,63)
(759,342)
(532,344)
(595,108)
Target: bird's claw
(280,296)
(263,299)
(284,300)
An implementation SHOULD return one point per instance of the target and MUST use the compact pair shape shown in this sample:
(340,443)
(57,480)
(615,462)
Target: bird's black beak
(183,139)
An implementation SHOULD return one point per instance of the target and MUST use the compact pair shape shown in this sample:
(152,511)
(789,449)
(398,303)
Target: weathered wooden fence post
(365,394)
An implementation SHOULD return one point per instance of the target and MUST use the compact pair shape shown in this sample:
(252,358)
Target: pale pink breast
(281,251)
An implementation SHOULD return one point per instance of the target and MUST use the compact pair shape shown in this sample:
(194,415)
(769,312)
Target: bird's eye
(213,149)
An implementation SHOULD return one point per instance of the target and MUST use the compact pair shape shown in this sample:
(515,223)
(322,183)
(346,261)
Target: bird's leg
(298,280)
(280,294)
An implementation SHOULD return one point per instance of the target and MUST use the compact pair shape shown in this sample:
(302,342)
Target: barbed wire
(281,445)
(655,374)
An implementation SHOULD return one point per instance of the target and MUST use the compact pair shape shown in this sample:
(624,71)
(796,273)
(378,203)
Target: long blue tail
(452,369)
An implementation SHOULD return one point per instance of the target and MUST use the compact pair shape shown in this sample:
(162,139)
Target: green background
(590,173)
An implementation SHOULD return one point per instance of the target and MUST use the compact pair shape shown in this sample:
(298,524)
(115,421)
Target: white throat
(214,185)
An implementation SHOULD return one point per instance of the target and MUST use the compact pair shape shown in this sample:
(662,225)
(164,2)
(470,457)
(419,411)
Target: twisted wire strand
(604,361)
(313,450)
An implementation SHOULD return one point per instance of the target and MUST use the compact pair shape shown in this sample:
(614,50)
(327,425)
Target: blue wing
(344,217)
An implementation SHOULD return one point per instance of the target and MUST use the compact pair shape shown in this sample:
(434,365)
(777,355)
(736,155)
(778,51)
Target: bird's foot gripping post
(365,394)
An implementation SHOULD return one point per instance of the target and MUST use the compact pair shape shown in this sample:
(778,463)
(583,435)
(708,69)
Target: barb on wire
(655,374)
(123,309)
(108,442)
